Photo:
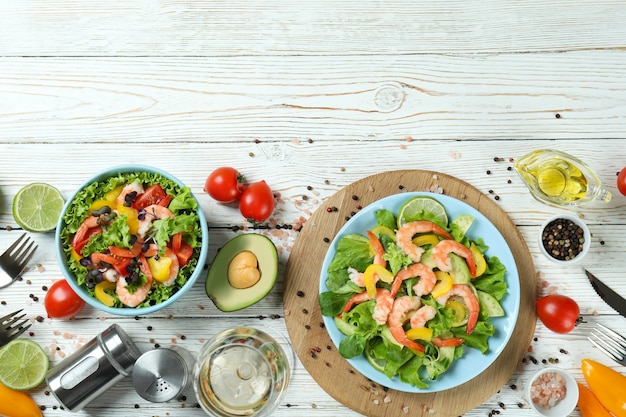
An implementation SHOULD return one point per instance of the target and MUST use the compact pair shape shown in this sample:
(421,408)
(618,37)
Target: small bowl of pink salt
(552,392)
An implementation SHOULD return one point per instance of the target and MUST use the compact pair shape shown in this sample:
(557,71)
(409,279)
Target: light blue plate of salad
(473,362)
(98,247)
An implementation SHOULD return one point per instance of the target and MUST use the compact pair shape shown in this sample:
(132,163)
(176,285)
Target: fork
(11,326)
(14,259)
(609,342)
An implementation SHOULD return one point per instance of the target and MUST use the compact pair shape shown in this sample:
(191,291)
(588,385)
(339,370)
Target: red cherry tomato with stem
(621,181)
(62,302)
(257,202)
(225,184)
(558,313)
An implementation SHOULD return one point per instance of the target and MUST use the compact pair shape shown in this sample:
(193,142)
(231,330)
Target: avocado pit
(243,270)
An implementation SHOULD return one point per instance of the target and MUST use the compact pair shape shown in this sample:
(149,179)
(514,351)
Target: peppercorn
(563,239)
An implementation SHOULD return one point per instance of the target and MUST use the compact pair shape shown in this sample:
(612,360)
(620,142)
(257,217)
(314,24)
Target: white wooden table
(310,96)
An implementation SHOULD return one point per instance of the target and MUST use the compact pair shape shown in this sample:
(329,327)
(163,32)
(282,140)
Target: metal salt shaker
(163,374)
(92,369)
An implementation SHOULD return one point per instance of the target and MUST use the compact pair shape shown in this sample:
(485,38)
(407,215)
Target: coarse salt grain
(548,389)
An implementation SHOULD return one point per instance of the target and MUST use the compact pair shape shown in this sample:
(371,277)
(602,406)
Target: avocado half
(225,296)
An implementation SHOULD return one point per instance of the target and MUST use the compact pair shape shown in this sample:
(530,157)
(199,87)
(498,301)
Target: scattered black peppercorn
(300,294)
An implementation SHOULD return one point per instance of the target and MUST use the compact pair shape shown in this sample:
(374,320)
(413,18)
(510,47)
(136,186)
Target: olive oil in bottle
(557,178)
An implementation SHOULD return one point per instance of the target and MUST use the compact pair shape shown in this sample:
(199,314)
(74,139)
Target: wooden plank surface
(312,97)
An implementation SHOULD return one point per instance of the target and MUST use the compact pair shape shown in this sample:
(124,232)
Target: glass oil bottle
(559,179)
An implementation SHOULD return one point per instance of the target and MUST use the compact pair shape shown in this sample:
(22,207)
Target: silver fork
(14,260)
(11,326)
(609,342)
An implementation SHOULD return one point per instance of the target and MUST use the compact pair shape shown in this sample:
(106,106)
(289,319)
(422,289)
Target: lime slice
(37,207)
(23,364)
(463,221)
(412,208)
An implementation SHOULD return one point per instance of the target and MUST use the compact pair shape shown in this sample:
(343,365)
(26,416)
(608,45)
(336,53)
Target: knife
(609,296)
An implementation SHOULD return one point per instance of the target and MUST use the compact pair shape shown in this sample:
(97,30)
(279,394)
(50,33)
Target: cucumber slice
(490,304)
(344,327)
(463,222)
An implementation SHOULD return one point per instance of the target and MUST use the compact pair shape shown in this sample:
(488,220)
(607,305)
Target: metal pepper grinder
(92,369)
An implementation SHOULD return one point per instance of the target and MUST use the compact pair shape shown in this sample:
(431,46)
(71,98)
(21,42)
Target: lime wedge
(463,221)
(37,207)
(412,208)
(23,364)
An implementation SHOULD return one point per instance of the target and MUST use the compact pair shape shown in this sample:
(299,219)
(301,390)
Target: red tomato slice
(152,195)
(176,241)
(184,254)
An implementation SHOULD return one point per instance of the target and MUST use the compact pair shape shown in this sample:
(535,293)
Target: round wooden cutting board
(315,348)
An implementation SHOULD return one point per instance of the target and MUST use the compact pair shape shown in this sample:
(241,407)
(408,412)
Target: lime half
(37,207)
(23,364)
(412,208)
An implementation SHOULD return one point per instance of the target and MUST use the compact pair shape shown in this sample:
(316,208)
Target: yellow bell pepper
(444,284)
(160,267)
(368,278)
(102,295)
(427,239)
(458,310)
(15,403)
(607,385)
(421,333)
(98,204)
(112,195)
(384,230)
(75,256)
(479,260)
(588,403)
(132,218)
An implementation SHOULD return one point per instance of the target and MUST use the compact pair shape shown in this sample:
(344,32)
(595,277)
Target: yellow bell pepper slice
(428,239)
(458,310)
(368,278)
(444,284)
(132,218)
(102,295)
(112,195)
(421,333)
(75,256)
(160,267)
(98,204)
(384,230)
(479,260)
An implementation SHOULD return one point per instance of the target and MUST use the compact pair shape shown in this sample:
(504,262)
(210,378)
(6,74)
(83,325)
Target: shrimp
(384,303)
(424,286)
(422,316)
(469,298)
(379,251)
(152,213)
(400,311)
(446,247)
(135,298)
(134,187)
(357,277)
(174,267)
(405,234)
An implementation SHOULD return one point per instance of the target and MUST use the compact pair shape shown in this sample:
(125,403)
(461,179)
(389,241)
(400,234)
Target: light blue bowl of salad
(132,240)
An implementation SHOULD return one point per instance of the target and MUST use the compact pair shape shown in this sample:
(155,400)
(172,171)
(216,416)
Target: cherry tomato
(62,302)
(621,181)
(257,202)
(558,313)
(225,184)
